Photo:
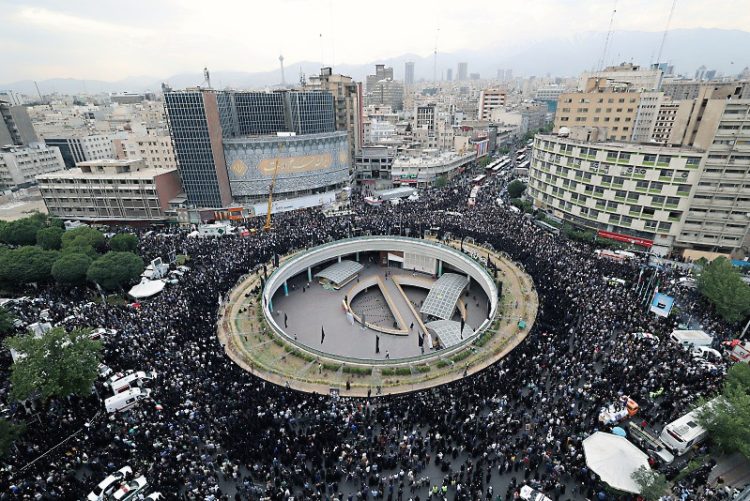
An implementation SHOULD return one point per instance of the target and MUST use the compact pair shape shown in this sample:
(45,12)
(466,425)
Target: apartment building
(489,100)
(20,165)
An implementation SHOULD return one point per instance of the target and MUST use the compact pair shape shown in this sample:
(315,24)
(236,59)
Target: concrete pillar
(440,268)
(357,257)
(286,289)
(339,259)
(309,274)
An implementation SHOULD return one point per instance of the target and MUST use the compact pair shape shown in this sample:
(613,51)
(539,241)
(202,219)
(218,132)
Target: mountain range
(686,49)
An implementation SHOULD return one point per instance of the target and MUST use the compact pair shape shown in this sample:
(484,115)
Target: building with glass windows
(629,189)
(207,125)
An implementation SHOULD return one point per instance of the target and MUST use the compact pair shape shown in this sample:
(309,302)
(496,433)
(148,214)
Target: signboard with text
(625,238)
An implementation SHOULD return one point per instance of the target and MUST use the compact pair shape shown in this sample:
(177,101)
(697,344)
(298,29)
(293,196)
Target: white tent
(614,459)
(147,288)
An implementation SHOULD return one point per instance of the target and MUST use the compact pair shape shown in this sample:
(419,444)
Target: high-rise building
(381,73)
(613,111)
(348,103)
(81,147)
(449,75)
(383,90)
(409,73)
(16,127)
(463,72)
(490,99)
(156,151)
(229,144)
(19,166)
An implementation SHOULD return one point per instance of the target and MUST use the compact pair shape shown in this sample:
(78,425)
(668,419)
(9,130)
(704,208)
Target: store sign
(625,238)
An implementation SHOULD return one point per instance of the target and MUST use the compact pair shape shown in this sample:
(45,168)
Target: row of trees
(39,250)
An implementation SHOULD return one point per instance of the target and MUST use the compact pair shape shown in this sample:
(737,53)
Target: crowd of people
(213,431)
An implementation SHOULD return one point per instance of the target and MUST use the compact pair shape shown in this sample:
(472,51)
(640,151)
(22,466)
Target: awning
(615,460)
(147,288)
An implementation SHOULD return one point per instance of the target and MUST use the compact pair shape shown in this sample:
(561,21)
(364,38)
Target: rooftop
(443,296)
(644,147)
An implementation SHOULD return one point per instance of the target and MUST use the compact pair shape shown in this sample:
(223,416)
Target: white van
(685,432)
(706,353)
(132,380)
(126,400)
(691,338)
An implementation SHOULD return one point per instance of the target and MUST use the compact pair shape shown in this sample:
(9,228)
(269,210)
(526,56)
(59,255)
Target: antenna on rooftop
(600,66)
(666,29)
(434,63)
(281,61)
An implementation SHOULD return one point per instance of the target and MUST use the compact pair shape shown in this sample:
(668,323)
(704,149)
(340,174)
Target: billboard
(625,238)
(661,304)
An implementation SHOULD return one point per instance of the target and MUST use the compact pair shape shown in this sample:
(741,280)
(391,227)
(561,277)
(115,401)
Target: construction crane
(267,226)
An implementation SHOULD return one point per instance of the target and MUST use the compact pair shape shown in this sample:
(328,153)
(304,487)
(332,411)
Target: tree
(83,239)
(71,269)
(115,269)
(727,419)
(652,484)
(49,238)
(56,365)
(722,285)
(516,189)
(9,433)
(6,321)
(440,182)
(524,205)
(27,264)
(20,232)
(124,242)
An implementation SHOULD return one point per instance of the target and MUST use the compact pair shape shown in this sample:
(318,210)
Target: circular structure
(377,314)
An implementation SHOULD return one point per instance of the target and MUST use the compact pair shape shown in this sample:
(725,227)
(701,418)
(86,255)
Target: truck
(685,432)
(689,338)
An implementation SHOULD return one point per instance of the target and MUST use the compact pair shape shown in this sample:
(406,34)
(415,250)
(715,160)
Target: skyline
(88,40)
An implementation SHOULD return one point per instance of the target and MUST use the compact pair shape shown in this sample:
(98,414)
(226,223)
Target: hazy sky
(108,40)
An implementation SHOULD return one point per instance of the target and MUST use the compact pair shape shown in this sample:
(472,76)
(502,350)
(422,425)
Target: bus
(479,179)
(523,165)
(685,432)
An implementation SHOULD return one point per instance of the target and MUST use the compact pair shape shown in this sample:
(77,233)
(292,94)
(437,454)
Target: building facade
(636,190)
(200,120)
(372,167)
(409,73)
(423,169)
(489,100)
(16,128)
(111,191)
(614,111)
(348,103)
(462,72)
(155,151)
(19,166)
(78,148)
(625,74)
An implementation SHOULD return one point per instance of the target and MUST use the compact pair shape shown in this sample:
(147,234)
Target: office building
(409,73)
(632,190)
(611,109)
(110,191)
(678,90)
(422,169)
(463,72)
(449,75)
(348,103)
(372,167)
(156,151)
(228,144)
(381,73)
(489,100)
(383,90)
(16,127)
(13,98)
(624,75)
(81,147)
(20,165)
(425,126)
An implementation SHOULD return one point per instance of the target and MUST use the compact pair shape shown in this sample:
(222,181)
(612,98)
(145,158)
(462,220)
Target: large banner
(662,304)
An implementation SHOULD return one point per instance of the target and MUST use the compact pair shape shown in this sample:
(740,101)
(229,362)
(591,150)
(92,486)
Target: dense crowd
(213,431)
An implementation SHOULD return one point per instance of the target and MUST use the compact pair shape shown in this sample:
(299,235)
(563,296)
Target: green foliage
(20,232)
(71,269)
(9,433)
(49,238)
(578,234)
(181,259)
(115,269)
(56,365)
(83,239)
(124,242)
(728,418)
(722,285)
(524,205)
(359,371)
(652,484)
(440,182)
(6,321)
(27,264)
(484,161)
(516,189)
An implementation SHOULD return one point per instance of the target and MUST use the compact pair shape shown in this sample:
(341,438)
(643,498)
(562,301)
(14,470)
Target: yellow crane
(267,226)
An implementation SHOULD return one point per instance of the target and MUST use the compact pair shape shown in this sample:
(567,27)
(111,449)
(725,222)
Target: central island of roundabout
(377,315)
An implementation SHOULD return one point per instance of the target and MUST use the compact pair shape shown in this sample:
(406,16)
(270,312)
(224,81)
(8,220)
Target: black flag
(377,344)
(322,335)
(285,319)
